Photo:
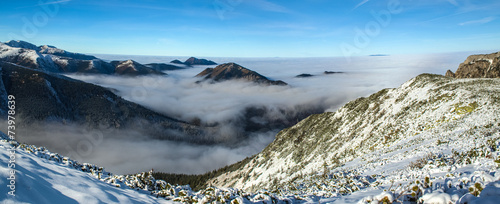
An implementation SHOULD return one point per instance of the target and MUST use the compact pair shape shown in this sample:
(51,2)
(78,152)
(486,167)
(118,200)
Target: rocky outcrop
(230,71)
(449,73)
(478,66)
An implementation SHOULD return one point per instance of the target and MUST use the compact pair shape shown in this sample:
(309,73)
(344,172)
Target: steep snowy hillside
(428,116)
(42,180)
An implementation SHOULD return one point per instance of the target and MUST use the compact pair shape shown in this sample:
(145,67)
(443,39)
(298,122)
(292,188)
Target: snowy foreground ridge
(432,140)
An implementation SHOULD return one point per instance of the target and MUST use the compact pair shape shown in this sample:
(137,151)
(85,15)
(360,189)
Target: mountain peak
(131,67)
(229,71)
(21,44)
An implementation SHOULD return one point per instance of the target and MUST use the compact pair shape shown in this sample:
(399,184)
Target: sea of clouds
(223,105)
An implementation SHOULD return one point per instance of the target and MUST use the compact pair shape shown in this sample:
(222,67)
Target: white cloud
(477,22)
(360,4)
(454,2)
(270,6)
(54,2)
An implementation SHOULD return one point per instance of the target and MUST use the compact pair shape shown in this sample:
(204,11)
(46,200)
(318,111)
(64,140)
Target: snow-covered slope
(381,135)
(45,177)
(42,180)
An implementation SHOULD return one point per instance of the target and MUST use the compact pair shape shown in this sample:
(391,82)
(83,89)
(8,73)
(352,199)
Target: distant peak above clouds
(229,71)
(194,61)
(52,59)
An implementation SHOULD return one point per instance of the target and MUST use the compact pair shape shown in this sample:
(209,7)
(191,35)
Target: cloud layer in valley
(224,106)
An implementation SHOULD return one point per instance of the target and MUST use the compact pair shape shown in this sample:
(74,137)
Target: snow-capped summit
(48,49)
(22,44)
(52,59)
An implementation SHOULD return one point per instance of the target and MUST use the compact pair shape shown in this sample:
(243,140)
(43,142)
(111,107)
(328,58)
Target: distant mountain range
(47,49)
(52,59)
(194,61)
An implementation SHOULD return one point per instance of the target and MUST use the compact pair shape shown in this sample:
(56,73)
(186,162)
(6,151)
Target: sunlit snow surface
(39,180)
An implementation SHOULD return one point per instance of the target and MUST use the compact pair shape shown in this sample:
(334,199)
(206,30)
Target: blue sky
(255,28)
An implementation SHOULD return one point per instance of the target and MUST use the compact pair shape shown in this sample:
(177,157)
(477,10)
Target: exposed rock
(479,66)
(449,73)
(230,71)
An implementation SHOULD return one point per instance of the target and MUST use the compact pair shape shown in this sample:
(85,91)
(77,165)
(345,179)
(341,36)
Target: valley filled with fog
(228,106)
